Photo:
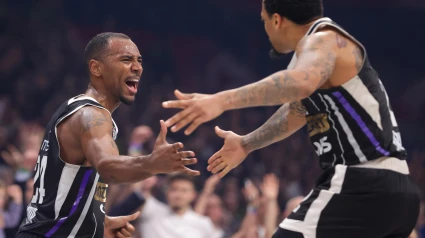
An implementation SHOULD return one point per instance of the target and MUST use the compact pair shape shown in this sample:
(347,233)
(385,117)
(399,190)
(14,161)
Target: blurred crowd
(41,66)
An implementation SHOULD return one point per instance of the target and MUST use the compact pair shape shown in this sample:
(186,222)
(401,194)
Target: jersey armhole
(63,118)
(346,34)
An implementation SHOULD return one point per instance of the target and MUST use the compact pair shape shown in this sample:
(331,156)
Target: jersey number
(323,146)
(40,169)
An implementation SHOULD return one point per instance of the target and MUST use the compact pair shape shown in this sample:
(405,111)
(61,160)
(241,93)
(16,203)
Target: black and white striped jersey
(352,123)
(68,200)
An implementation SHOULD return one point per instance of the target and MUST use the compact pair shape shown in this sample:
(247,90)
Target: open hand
(197,109)
(229,156)
(166,158)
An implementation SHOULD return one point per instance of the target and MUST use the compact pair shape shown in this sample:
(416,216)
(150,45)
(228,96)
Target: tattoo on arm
(341,41)
(97,121)
(358,55)
(315,65)
(297,109)
(268,133)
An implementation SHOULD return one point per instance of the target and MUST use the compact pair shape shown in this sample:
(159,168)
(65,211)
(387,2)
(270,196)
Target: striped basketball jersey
(68,200)
(352,123)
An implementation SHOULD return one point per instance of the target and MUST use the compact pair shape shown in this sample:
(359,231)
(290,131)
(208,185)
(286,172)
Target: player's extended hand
(166,158)
(197,109)
(120,226)
(229,156)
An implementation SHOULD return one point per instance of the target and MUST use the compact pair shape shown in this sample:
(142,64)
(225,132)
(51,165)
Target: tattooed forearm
(273,130)
(277,89)
(297,109)
(315,64)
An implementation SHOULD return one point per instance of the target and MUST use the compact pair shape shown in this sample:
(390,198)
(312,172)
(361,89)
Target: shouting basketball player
(330,85)
(79,157)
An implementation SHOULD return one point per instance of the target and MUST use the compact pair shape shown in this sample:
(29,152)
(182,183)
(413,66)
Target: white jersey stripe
(65,183)
(347,130)
(364,98)
(85,209)
(336,131)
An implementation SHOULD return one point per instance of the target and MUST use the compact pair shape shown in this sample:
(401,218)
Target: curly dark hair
(298,11)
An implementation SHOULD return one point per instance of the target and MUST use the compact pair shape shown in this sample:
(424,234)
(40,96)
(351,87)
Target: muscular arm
(287,120)
(316,60)
(102,153)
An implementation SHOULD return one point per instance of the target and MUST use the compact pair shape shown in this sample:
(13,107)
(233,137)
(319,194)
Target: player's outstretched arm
(316,60)
(101,152)
(287,120)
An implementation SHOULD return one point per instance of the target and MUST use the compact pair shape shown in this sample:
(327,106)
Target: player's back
(68,199)
(352,123)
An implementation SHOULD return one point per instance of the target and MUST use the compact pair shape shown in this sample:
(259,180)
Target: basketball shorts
(355,202)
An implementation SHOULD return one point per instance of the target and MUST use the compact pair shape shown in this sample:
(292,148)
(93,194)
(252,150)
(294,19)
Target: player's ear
(95,68)
(277,20)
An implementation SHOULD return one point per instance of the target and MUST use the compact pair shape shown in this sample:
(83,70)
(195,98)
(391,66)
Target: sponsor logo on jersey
(317,123)
(100,193)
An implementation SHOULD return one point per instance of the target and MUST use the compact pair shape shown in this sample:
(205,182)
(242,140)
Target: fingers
(128,230)
(119,234)
(177,146)
(225,171)
(214,157)
(185,154)
(176,118)
(190,172)
(183,96)
(189,161)
(133,216)
(182,104)
(184,121)
(220,132)
(214,163)
(218,167)
(163,133)
(197,122)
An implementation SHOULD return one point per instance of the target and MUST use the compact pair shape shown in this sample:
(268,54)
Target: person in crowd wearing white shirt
(177,219)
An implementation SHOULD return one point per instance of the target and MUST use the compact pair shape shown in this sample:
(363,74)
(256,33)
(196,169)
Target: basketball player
(78,156)
(365,189)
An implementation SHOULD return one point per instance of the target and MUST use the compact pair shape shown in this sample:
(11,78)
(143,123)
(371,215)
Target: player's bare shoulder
(93,121)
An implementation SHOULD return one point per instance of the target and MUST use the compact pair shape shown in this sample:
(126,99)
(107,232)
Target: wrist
(223,99)
(147,164)
(245,144)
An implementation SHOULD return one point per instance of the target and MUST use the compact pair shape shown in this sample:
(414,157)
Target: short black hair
(298,11)
(180,177)
(99,43)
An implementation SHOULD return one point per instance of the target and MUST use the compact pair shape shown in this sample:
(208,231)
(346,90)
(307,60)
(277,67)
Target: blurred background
(194,46)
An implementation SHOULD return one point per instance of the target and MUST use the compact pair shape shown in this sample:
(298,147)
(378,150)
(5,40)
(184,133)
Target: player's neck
(296,33)
(102,98)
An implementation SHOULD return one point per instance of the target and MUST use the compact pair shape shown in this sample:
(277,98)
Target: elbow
(105,170)
(305,90)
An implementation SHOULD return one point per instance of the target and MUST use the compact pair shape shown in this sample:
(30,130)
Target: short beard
(126,101)
(274,54)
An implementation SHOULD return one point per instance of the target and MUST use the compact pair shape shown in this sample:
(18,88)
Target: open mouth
(132,84)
